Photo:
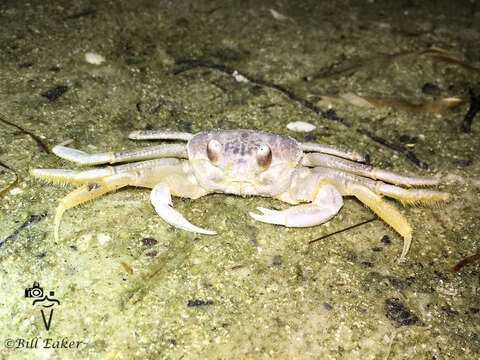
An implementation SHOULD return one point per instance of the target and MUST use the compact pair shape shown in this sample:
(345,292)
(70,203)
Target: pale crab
(244,162)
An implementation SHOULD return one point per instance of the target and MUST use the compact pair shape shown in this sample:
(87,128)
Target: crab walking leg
(323,160)
(159,135)
(333,150)
(88,192)
(342,180)
(165,165)
(327,204)
(410,195)
(83,158)
(162,202)
(54,174)
(386,212)
(172,172)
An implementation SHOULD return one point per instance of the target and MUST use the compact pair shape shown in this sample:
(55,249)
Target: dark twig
(410,155)
(81,14)
(464,262)
(191,64)
(350,67)
(33,136)
(472,111)
(32,219)
(15,182)
(341,230)
(382,141)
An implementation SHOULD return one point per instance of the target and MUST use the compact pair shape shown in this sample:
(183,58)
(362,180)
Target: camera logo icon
(34,292)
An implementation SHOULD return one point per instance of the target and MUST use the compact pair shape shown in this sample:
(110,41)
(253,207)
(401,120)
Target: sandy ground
(131,286)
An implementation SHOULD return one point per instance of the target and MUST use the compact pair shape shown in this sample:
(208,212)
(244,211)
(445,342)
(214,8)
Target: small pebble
(430,89)
(54,93)
(397,312)
(149,242)
(327,306)
(95,59)
(386,240)
(199,302)
(277,260)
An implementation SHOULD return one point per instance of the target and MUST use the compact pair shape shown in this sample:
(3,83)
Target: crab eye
(264,156)
(214,151)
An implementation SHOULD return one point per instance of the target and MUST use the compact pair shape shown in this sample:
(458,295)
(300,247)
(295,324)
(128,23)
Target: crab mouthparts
(241,186)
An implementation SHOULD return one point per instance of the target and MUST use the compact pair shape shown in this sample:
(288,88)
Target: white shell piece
(277,16)
(16,191)
(300,126)
(103,238)
(239,77)
(95,59)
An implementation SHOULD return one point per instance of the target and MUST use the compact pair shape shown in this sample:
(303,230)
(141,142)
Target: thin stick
(192,64)
(410,155)
(14,183)
(464,262)
(341,230)
(33,136)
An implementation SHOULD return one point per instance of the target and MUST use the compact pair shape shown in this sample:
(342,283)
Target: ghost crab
(244,162)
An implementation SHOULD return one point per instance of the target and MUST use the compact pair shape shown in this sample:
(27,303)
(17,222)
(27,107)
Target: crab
(312,177)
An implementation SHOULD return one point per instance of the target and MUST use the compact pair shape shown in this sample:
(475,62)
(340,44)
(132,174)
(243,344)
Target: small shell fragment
(93,58)
(300,126)
(16,191)
(103,238)
(239,77)
(277,16)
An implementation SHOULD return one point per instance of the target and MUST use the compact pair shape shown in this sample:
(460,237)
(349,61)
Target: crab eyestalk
(264,156)
(214,151)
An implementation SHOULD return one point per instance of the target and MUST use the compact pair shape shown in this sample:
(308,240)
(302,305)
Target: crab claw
(162,202)
(270,216)
(326,205)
